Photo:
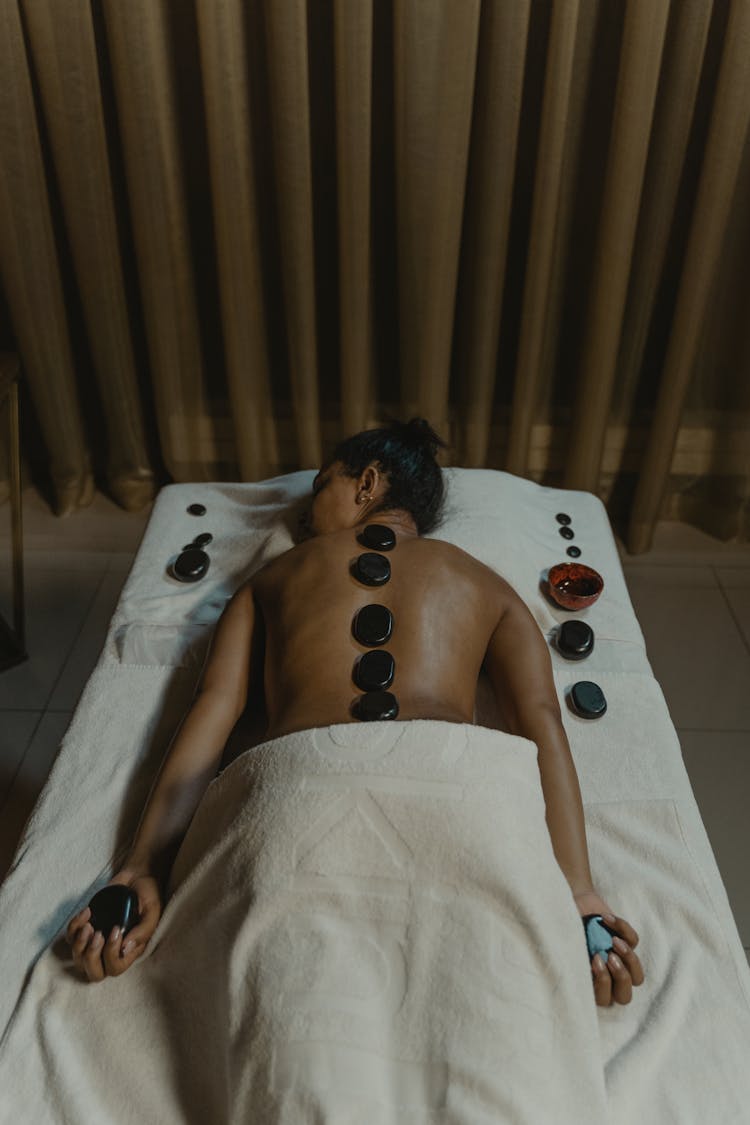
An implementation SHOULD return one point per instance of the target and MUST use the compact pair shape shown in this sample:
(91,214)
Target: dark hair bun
(405,453)
(418,432)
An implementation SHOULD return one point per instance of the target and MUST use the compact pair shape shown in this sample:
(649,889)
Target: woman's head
(399,460)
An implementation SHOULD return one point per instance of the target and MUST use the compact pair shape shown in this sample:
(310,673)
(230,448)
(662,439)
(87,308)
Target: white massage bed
(679,1052)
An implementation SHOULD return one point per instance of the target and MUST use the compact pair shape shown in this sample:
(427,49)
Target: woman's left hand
(613,980)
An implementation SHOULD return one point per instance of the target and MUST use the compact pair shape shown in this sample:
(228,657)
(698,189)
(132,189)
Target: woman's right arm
(189,766)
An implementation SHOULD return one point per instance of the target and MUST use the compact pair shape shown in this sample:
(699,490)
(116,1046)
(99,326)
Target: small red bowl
(574,586)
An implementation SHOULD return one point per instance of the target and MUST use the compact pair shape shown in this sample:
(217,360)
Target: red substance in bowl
(574,586)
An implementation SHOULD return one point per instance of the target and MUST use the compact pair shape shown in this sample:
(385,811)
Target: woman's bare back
(445,606)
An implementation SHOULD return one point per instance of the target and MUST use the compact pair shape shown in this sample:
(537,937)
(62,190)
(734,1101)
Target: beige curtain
(233,232)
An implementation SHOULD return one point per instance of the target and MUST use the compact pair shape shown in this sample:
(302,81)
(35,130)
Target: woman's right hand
(100,955)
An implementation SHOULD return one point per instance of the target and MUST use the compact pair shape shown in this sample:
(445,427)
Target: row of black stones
(567,533)
(373,626)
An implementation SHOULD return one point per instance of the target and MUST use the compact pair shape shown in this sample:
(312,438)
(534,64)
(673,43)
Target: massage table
(366,922)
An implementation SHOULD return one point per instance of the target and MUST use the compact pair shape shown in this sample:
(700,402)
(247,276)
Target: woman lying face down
(364,619)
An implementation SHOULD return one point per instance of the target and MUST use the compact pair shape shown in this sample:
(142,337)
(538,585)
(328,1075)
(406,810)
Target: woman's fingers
(129,953)
(622,985)
(630,960)
(614,980)
(98,957)
(87,952)
(602,982)
(81,941)
(115,961)
(141,933)
(625,930)
(92,958)
(76,923)
(611,981)
(122,949)
(149,912)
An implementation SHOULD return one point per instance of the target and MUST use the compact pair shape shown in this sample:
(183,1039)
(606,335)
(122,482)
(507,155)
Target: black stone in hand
(114,906)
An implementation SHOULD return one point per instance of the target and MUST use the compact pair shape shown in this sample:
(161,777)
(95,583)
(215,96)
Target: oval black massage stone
(375,670)
(377,537)
(373,625)
(587,699)
(199,541)
(574,552)
(190,565)
(567,532)
(374,705)
(115,905)
(372,570)
(563,517)
(575,640)
(197,509)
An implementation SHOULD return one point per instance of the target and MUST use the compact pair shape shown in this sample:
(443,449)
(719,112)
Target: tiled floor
(690,592)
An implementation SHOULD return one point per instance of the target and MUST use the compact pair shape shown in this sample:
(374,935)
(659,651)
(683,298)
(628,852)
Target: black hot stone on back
(375,705)
(375,670)
(377,537)
(372,570)
(373,625)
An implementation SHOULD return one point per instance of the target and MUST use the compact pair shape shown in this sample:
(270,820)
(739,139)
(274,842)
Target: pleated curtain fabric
(234,231)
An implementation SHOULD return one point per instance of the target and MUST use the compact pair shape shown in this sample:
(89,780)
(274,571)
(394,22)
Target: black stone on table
(199,541)
(567,532)
(574,552)
(191,565)
(575,640)
(563,517)
(587,700)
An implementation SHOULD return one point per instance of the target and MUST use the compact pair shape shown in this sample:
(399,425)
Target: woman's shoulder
(471,566)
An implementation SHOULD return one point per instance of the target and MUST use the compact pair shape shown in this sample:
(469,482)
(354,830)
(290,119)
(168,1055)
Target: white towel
(367,924)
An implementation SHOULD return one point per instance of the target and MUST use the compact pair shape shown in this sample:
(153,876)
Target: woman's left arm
(520,668)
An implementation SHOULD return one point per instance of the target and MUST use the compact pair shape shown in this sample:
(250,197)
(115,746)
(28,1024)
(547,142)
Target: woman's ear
(370,479)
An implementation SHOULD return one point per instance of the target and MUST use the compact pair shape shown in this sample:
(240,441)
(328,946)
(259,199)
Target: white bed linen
(678,1052)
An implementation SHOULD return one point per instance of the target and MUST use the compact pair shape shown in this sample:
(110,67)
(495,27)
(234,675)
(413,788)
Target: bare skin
(285,642)
(438,596)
